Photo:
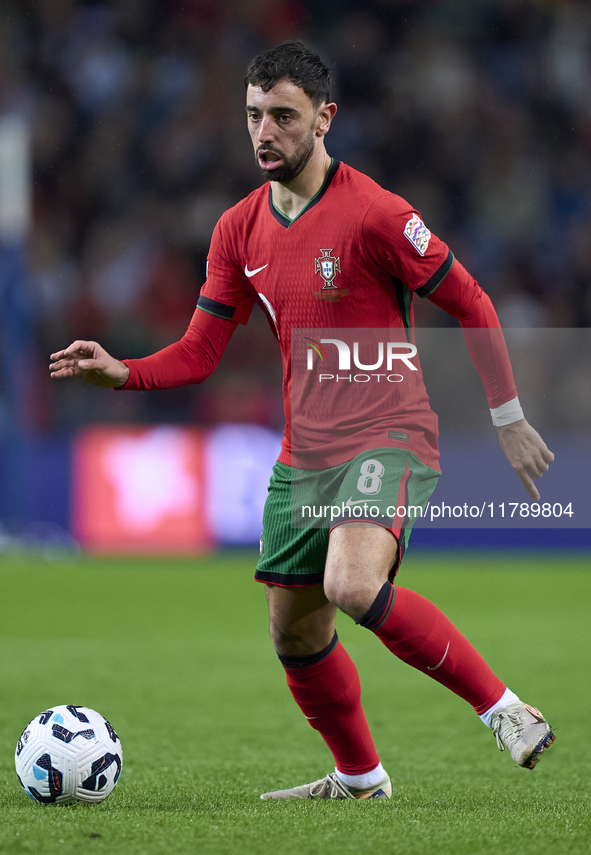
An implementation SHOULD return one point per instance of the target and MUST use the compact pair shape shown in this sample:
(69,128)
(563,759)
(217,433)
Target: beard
(291,166)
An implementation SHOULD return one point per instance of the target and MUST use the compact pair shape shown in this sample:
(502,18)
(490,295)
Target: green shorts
(386,486)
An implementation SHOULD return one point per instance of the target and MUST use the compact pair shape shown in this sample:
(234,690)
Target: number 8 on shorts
(370,480)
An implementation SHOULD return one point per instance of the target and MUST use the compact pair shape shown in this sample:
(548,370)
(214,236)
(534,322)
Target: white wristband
(507,413)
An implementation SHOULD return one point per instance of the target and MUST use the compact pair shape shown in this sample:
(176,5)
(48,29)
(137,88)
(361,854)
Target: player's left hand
(527,453)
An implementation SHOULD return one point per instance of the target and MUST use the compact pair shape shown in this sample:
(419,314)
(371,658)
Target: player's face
(283,125)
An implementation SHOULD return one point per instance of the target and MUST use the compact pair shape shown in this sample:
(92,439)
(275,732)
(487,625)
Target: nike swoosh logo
(250,273)
(439,664)
(360,501)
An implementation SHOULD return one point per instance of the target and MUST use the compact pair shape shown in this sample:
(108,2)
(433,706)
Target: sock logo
(440,663)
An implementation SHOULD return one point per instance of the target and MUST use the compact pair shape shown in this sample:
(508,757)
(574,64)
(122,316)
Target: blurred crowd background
(477,111)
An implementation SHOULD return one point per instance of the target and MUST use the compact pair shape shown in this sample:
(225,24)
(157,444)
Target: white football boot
(332,787)
(524,731)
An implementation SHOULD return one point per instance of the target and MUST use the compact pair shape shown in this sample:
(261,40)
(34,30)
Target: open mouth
(268,159)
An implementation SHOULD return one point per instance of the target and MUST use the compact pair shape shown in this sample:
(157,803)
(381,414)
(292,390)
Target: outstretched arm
(461,296)
(187,361)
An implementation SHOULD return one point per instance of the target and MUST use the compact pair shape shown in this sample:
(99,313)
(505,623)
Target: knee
(286,640)
(301,621)
(291,641)
(350,595)
(360,557)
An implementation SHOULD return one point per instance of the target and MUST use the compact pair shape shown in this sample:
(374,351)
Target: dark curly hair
(292,60)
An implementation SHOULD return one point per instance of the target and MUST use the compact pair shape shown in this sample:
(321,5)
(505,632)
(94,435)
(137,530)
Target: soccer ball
(68,754)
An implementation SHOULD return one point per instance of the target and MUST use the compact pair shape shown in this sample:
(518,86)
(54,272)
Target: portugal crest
(328,266)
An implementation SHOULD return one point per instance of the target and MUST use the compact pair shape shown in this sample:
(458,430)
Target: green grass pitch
(176,654)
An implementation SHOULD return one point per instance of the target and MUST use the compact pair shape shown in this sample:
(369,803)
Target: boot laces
(330,787)
(509,727)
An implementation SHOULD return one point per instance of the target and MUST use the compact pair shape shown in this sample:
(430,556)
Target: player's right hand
(527,453)
(90,362)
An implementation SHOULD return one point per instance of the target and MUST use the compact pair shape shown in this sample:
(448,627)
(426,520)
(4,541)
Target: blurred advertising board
(239,459)
(170,489)
(140,490)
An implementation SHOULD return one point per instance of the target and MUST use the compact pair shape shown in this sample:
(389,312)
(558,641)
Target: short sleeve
(224,293)
(397,239)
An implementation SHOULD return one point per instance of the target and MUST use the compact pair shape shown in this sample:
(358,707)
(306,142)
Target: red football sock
(419,633)
(328,692)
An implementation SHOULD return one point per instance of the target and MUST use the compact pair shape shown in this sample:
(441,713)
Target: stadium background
(132,114)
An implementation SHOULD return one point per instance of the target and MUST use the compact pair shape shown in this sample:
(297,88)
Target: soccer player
(330,257)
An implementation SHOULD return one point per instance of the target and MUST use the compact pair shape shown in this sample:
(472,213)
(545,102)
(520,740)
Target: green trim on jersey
(215,308)
(435,281)
(209,312)
(287,221)
(403,299)
(403,295)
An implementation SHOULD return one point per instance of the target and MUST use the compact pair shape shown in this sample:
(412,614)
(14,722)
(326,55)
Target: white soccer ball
(68,754)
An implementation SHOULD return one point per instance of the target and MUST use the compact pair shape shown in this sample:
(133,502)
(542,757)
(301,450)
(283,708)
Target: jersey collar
(285,221)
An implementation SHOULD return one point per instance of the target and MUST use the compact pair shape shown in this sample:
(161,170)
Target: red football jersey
(336,284)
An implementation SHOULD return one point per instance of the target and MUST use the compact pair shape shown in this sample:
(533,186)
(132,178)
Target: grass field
(176,654)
